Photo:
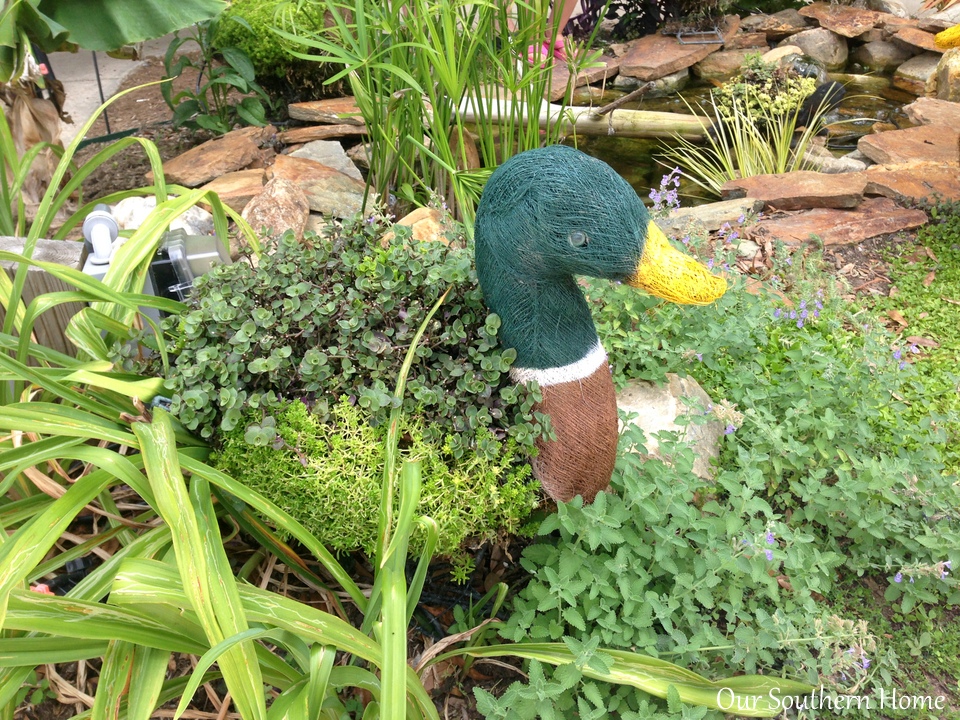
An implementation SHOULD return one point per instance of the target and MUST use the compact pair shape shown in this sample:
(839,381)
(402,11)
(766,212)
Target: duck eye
(578,239)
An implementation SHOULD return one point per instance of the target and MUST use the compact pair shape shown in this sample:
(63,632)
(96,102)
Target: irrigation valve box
(182,258)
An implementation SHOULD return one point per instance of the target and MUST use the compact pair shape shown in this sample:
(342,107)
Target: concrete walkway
(79,77)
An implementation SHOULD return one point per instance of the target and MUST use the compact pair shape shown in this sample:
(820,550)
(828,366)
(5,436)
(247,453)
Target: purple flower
(896,354)
(700,357)
(776,313)
(771,538)
(898,578)
(729,430)
(710,264)
(769,554)
(865,663)
(799,323)
(803,304)
(901,366)
(793,314)
(741,218)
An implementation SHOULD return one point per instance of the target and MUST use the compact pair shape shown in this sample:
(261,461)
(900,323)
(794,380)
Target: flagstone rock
(331,154)
(799,190)
(200,165)
(747,40)
(279,207)
(426,225)
(333,111)
(881,55)
(309,133)
(657,409)
(236,189)
(932,111)
(918,75)
(328,191)
(948,76)
(917,181)
(823,46)
(934,143)
(560,79)
(721,65)
(656,56)
(873,217)
(777,26)
(916,38)
(842,19)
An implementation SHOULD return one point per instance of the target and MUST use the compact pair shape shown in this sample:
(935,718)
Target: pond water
(870,99)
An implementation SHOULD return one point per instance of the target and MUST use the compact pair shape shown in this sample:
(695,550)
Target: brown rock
(328,191)
(199,165)
(237,188)
(948,76)
(934,143)
(918,75)
(319,132)
(777,26)
(721,65)
(426,225)
(930,111)
(333,111)
(842,19)
(873,217)
(560,79)
(655,56)
(916,38)
(279,207)
(800,190)
(917,181)
(744,40)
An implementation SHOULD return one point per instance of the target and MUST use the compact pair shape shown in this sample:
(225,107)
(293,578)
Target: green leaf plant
(77,432)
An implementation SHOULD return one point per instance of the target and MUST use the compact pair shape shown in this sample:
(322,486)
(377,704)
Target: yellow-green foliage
(328,476)
(763,90)
(246,24)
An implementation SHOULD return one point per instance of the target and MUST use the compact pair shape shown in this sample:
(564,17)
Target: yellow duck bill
(672,275)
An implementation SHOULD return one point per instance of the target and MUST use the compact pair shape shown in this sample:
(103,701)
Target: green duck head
(551,214)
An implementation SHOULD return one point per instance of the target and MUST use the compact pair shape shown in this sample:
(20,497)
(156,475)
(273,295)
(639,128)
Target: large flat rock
(328,191)
(236,189)
(917,181)
(334,111)
(917,38)
(842,19)
(932,143)
(931,111)
(197,166)
(874,216)
(655,56)
(800,190)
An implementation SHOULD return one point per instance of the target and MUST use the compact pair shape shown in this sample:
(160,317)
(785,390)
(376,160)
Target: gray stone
(360,155)
(825,47)
(881,55)
(331,154)
(918,75)
(824,161)
(670,84)
(893,7)
(710,217)
(658,408)
(948,76)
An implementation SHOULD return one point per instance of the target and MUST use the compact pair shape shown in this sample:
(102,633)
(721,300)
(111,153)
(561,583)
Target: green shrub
(333,317)
(761,89)
(246,24)
(328,475)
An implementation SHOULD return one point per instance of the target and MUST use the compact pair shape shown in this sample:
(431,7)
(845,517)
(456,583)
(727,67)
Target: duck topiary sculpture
(546,216)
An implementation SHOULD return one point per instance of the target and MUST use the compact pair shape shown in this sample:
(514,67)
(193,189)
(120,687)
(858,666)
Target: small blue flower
(799,323)
(793,314)
(741,218)
(769,554)
(865,663)
(771,538)
(730,429)
(896,354)
(898,578)
(700,357)
(776,313)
